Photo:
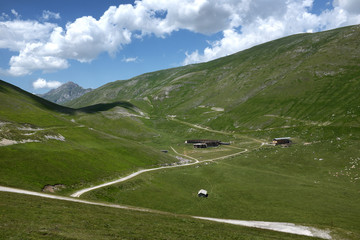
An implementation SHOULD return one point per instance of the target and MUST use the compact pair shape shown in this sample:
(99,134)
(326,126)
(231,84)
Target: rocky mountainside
(66,92)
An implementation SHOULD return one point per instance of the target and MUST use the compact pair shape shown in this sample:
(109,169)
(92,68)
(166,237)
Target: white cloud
(202,16)
(352,6)
(243,23)
(15,13)
(16,34)
(130,59)
(257,27)
(47,47)
(30,60)
(42,83)
(49,15)
(4,16)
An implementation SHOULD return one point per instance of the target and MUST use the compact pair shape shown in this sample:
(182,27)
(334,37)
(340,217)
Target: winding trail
(307,122)
(212,130)
(274,226)
(79,193)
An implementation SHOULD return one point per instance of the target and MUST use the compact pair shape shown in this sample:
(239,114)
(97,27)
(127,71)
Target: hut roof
(202,191)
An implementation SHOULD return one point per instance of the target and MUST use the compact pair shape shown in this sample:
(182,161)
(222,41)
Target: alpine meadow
(304,87)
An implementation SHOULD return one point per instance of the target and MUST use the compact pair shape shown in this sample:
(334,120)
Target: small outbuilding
(282,140)
(203,193)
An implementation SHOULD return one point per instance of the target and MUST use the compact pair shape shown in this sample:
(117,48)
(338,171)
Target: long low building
(282,140)
(204,143)
(209,143)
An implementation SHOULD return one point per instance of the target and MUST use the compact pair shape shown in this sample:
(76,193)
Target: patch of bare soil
(53,188)
(7,142)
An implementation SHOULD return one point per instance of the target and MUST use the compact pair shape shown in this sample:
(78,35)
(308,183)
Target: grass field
(27,217)
(314,184)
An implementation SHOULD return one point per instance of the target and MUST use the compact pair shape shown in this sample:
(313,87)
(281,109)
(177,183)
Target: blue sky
(46,43)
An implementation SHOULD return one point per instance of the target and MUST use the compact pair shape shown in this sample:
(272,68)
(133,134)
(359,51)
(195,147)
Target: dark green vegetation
(304,86)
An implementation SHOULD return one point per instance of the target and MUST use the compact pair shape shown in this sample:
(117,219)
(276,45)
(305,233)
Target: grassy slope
(85,157)
(25,217)
(304,86)
(20,106)
(300,76)
(272,184)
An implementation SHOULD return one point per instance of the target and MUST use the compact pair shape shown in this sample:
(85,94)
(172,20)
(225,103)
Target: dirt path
(307,122)
(214,131)
(80,192)
(184,155)
(274,226)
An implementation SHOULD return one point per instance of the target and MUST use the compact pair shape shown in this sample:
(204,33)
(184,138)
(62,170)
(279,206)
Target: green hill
(43,143)
(310,77)
(304,86)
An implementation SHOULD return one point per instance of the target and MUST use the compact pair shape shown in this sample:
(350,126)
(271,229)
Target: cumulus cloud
(16,34)
(42,83)
(243,23)
(202,16)
(48,47)
(352,6)
(31,59)
(254,26)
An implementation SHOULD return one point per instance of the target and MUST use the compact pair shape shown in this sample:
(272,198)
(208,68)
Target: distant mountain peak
(66,92)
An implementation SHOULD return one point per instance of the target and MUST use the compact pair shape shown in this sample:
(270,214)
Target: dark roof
(202,141)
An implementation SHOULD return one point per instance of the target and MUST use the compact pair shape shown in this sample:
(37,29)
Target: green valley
(305,86)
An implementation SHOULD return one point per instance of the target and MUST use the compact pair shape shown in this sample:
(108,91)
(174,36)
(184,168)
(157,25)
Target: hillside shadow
(52,106)
(10,89)
(105,107)
(2,89)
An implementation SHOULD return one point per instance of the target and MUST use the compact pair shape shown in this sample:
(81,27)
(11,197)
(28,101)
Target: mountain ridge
(66,92)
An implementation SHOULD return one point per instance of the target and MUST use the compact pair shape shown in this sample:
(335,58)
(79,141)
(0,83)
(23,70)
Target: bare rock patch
(53,188)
